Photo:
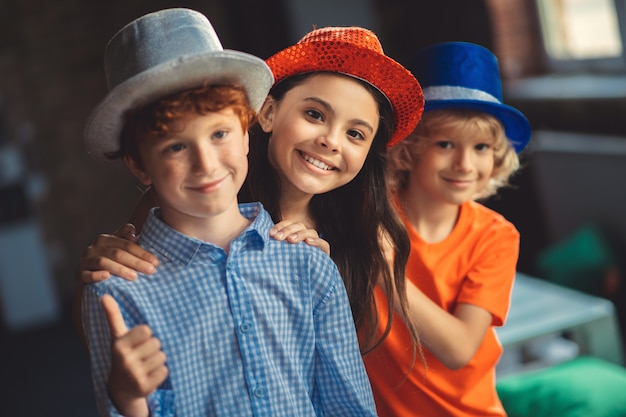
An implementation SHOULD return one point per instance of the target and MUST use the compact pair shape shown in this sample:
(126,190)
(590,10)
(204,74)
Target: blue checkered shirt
(265,330)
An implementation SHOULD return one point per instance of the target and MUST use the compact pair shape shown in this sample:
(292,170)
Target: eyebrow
(330,109)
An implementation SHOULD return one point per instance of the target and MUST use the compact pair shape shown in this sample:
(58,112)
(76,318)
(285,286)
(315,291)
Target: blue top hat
(460,75)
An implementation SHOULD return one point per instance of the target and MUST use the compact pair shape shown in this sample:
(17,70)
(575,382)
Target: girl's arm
(116,254)
(294,232)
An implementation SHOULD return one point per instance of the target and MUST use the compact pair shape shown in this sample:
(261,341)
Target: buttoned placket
(247,335)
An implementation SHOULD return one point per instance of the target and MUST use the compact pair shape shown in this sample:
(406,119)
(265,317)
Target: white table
(27,293)
(540,309)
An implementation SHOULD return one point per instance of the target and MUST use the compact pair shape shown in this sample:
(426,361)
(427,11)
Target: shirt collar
(170,243)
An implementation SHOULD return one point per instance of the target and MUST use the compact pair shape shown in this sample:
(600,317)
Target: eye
(220,134)
(482,147)
(355,134)
(314,114)
(177,147)
(443,144)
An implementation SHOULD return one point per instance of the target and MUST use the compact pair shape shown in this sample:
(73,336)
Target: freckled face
(321,133)
(453,168)
(196,172)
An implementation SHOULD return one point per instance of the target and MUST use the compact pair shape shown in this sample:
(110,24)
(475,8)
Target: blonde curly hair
(402,156)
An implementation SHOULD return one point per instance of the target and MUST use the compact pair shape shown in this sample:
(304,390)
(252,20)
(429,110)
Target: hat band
(448,92)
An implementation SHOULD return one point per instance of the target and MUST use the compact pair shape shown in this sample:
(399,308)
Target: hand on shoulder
(116,254)
(295,232)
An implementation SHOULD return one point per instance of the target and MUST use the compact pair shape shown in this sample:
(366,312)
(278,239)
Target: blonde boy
(463,255)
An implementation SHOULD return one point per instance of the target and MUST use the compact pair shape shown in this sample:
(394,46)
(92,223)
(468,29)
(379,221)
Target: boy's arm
(101,344)
(137,363)
(453,337)
(344,388)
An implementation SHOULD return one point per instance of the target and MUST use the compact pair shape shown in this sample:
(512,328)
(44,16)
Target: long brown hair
(352,218)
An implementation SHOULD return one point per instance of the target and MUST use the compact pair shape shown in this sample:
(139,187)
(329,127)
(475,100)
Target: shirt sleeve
(343,388)
(490,280)
(97,333)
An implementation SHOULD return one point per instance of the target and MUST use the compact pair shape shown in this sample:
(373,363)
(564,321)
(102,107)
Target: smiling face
(195,171)
(321,133)
(453,166)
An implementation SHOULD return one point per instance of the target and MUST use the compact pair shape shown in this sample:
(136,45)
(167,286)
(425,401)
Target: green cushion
(579,261)
(581,387)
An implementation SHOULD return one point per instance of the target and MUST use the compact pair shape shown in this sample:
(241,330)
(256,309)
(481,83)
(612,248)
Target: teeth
(317,163)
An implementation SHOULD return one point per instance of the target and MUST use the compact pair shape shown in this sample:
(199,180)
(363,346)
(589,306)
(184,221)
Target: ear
(247,144)
(266,114)
(403,161)
(137,171)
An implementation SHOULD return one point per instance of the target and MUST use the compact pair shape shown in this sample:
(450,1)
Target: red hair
(163,116)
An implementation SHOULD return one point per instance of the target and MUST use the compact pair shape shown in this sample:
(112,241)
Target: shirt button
(259,392)
(245,327)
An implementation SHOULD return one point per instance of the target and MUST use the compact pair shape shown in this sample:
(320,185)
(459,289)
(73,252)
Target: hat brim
(103,128)
(516,125)
(383,73)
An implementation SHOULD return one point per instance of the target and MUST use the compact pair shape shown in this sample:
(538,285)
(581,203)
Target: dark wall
(51,77)
(411,25)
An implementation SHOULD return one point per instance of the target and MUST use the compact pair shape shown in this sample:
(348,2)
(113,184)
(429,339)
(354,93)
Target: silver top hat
(162,53)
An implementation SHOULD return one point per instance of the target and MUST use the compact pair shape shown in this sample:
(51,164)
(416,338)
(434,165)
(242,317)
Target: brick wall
(516,35)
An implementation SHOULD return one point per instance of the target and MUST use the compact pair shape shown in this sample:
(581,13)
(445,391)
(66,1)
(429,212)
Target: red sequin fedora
(356,52)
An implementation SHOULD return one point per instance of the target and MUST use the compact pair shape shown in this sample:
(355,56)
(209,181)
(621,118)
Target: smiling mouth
(459,181)
(208,187)
(316,162)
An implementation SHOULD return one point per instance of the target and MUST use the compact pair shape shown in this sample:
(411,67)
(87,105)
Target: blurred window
(584,35)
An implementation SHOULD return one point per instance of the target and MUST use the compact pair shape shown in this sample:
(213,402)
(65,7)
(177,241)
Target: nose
(463,160)
(204,160)
(329,140)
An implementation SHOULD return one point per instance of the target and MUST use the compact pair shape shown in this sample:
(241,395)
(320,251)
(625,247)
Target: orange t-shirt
(475,264)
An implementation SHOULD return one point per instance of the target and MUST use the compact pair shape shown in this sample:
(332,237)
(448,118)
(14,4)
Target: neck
(219,230)
(432,220)
(294,206)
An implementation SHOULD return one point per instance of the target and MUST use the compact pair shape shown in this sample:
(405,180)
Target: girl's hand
(294,232)
(116,254)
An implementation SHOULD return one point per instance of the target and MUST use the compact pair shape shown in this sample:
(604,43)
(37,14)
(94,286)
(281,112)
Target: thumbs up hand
(137,362)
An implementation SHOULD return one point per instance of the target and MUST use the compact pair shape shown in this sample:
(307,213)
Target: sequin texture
(356,52)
